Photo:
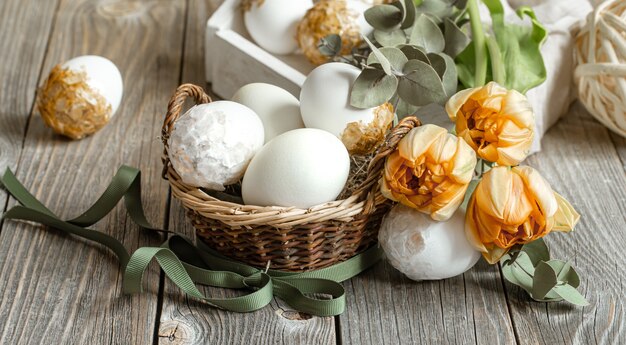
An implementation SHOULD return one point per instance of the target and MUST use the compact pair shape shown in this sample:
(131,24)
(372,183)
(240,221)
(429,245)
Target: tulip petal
(419,140)
(463,163)
(494,254)
(385,191)
(448,202)
(471,231)
(518,109)
(455,102)
(444,149)
(489,152)
(519,206)
(566,217)
(539,189)
(492,192)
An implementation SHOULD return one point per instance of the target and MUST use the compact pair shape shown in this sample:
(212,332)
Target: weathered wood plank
(24,36)
(581,162)
(187,321)
(57,289)
(620,146)
(385,307)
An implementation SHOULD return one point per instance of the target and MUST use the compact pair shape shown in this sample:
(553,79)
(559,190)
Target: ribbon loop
(185,264)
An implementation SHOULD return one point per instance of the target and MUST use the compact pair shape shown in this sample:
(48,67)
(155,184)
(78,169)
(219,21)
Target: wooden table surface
(56,289)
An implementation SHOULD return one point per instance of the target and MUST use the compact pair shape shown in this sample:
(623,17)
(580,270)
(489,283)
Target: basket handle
(369,187)
(174,111)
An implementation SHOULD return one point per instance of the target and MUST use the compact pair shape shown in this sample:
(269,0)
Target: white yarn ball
(601,72)
(424,249)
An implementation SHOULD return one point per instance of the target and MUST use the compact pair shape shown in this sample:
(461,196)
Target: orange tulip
(496,122)
(429,171)
(514,206)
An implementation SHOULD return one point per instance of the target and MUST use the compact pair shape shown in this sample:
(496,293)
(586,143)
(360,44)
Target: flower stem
(478,36)
(497,65)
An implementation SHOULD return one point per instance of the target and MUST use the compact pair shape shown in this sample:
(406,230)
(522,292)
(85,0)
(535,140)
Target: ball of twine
(600,55)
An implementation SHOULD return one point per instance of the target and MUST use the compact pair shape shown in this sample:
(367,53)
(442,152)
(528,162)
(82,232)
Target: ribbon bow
(186,264)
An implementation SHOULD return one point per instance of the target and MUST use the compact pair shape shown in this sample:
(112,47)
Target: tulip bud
(514,206)
(497,123)
(429,171)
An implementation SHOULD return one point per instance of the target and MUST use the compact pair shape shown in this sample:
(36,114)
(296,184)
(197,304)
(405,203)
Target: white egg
(302,168)
(272,23)
(278,109)
(80,96)
(102,75)
(325,104)
(424,249)
(211,145)
(325,98)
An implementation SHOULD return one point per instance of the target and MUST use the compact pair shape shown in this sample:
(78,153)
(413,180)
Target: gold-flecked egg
(80,96)
(328,17)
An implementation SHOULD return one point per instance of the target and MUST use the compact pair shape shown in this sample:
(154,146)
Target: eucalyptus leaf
(421,85)
(444,65)
(390,38)
(543,281)
(401,5)
(426,34)
(372,88)
(384,17)
(436,8)
(395,56)
(381,59)
(519,272)
(404,109)
(565,272)
(537,251)
(330,45)
(570,294)
(410,14)
(414,53)
(456,40)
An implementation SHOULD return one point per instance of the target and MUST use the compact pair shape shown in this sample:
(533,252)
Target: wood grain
(24,36)
(385,307)
(620,146)
(57,289)
(187,321)
(581,162)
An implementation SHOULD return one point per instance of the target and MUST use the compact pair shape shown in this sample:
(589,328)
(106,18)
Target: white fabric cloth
(552,99)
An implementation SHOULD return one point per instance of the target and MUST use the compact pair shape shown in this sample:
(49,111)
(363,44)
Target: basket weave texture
(601,72)
(285,238)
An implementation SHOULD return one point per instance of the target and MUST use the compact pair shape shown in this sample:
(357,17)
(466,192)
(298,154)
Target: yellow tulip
(497,123)
(429,171)
(514,206)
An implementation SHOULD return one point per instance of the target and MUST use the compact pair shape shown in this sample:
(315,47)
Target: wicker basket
(286,238)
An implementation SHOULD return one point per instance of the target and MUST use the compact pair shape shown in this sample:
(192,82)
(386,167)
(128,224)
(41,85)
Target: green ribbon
(186,264)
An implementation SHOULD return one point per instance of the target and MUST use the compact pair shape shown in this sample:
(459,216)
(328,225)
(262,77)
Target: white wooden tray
(233,59)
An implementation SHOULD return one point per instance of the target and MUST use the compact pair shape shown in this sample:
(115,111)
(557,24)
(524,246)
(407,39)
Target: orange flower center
(482,123)
(526,232)
(424,180)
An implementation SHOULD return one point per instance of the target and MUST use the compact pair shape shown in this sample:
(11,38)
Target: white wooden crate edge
(233,60)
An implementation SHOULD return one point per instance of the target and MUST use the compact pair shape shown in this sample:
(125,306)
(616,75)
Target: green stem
(497,64)
(478,36)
